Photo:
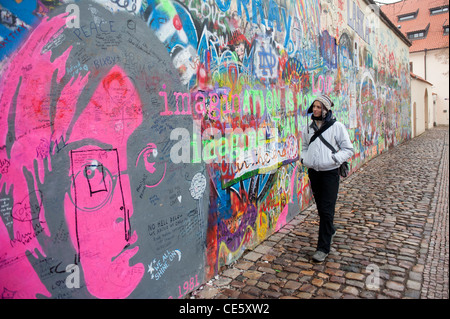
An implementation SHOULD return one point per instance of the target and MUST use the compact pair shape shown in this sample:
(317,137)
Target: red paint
(177,22)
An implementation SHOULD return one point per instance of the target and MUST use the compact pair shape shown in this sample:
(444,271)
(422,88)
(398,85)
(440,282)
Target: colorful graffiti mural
(146,143)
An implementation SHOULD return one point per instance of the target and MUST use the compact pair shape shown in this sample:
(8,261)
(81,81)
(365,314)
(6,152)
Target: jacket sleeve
(305,144)
(346,150)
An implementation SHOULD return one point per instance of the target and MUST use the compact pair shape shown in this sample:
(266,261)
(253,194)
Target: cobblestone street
(392,241)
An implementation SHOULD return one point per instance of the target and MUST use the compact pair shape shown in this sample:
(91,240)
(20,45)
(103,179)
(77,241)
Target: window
(419,34)
(416,35)
(438,10)
(408,16)
(445,29)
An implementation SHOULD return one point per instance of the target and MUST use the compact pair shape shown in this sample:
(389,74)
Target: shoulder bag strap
(322,129)
(327,144)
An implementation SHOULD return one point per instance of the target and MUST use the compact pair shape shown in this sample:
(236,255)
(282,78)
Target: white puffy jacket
(318,156)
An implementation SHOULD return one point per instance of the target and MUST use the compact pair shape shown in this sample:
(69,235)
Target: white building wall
(437,72)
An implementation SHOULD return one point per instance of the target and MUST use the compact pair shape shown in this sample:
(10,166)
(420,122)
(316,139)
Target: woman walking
(323,166)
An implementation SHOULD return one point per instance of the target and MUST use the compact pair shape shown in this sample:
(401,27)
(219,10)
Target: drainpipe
(425,62)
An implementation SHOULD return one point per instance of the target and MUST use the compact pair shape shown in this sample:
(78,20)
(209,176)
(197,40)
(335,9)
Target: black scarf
(328,117)
(327,121)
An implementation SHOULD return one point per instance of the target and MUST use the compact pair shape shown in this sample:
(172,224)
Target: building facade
(422,111)
(426,24)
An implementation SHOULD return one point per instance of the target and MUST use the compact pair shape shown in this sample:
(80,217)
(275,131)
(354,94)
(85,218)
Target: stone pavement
(392,241)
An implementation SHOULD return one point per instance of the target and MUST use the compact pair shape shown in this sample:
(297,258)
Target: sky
(386,1)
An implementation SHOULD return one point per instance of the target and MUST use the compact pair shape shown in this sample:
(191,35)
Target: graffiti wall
(146,143)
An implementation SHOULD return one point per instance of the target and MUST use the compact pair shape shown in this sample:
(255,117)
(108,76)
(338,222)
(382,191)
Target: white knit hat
(325,100)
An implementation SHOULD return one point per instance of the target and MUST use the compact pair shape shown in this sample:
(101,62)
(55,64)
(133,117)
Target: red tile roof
(435,38)
(419,78)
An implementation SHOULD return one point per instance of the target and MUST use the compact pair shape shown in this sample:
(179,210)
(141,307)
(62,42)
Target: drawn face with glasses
(77,191)
(84,169)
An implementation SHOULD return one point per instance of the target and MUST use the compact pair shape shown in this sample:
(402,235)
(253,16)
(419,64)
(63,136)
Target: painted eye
(150,154)
(95,177)
(157,169)
(95,172)
(92,168)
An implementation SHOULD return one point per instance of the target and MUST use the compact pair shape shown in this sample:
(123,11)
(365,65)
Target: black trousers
(325,188)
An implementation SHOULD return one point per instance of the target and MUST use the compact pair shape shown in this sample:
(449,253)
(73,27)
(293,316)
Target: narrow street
(392,239)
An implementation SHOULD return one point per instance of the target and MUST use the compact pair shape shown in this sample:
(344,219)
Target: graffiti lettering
(106,61)
(26,237)
(101,27)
